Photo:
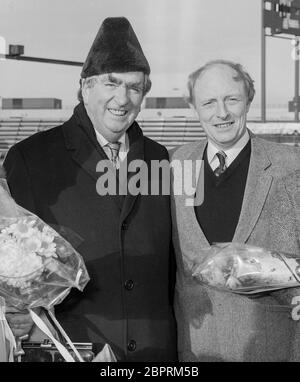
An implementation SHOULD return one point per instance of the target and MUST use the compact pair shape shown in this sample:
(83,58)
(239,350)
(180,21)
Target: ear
(192,106)
(194,110)
(85,91)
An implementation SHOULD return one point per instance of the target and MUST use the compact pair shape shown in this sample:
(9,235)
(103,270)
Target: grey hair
(91,81)
(242,75)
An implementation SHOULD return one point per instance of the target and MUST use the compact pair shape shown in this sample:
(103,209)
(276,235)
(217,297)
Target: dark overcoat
(125,241)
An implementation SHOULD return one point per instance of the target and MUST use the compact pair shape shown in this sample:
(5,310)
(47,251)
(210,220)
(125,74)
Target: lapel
(136,152)
(258,184)
(81,141)
(187,213)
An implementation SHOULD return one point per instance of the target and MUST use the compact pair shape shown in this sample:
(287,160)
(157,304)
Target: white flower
(14,263)
(32,244)
(48,231)
(48,246)
(22,228)
(26,247)
(48,249)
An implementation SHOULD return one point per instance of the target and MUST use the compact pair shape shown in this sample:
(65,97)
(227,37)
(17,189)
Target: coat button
(131,346)
(129,284)
(124,226)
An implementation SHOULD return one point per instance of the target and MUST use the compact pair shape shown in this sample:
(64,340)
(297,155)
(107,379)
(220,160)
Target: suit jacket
(220,326)
(125,242)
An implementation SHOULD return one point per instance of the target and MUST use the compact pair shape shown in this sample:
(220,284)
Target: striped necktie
(222,166)
(114,152)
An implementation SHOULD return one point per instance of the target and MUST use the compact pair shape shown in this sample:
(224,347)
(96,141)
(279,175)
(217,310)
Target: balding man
(249,197)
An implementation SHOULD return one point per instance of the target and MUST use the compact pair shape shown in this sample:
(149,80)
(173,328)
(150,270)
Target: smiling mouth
(118,112)
(223,125)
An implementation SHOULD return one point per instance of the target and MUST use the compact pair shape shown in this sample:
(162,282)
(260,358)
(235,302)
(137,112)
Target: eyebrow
(227,96)
(118,81)
(114,79)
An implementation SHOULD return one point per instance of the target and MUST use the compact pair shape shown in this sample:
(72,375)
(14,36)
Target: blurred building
(165,107)
(166,103)
(31,103)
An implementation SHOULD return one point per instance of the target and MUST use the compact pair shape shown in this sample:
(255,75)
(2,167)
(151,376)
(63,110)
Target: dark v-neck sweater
(219,213)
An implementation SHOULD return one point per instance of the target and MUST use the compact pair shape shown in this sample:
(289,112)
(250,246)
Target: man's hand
(19,321)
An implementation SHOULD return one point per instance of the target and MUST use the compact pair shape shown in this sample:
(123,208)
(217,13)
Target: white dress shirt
(231,153)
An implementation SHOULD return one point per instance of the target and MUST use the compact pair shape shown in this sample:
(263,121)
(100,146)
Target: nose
(222,111)
(121,95)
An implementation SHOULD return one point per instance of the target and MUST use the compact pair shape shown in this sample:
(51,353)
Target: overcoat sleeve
(18,178)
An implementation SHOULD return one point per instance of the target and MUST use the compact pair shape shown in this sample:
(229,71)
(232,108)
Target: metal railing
(170,132)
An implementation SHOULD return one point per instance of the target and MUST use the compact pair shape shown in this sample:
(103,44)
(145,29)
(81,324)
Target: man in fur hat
(125,240)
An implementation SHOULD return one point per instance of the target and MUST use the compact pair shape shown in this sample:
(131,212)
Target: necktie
(114,152)
(222,166)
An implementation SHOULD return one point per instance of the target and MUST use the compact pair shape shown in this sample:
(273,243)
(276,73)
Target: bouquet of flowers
(38,267)
(246,269)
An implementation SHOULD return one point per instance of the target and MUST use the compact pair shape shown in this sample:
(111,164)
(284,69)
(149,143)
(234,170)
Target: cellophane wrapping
(247,269)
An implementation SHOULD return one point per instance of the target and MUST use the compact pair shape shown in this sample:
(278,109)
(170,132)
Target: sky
(177,37)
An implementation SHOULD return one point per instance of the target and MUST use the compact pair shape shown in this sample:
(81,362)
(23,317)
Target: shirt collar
(231,153)
(123,140)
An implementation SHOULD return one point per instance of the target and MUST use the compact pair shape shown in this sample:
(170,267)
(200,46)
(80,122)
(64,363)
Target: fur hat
(115,49)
